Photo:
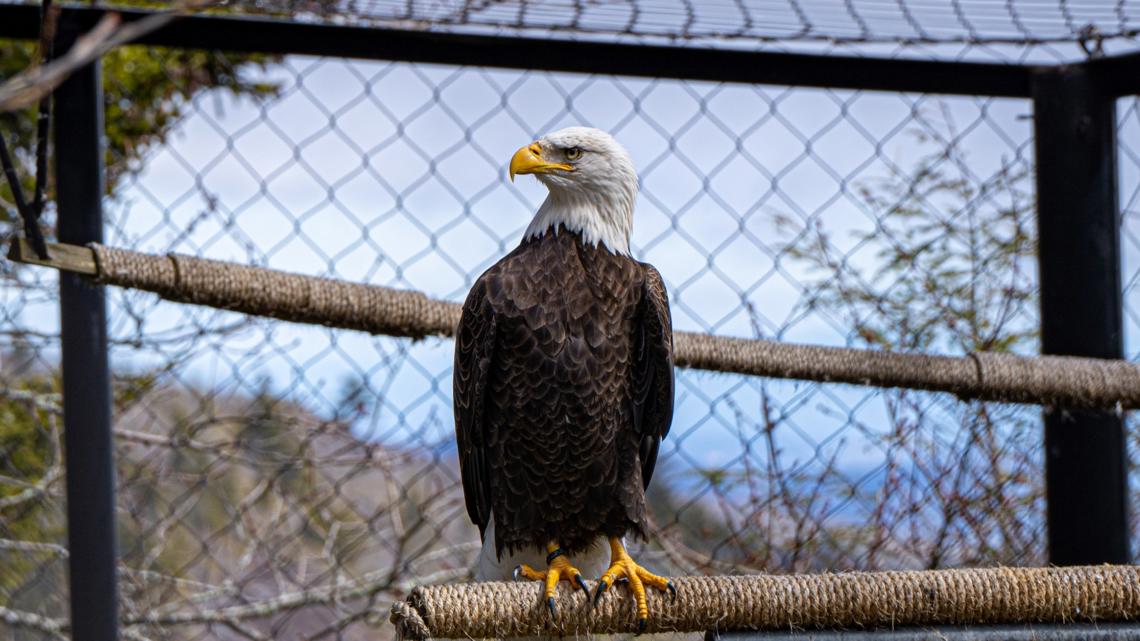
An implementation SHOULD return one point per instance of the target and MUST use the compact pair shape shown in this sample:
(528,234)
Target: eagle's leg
(622,566)
(558,569)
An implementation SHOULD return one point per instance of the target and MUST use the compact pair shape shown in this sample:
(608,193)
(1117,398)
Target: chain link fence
(1007,31)
(288,482)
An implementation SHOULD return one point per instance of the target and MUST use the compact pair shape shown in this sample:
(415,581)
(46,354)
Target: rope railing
(766,602)
(1045,380)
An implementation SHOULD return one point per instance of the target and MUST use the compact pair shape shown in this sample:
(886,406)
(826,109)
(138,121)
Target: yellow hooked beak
(528,160)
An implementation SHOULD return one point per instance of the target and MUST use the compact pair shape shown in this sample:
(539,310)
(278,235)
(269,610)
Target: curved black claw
(602,585)
(672,590)
(641,623)
(517,571)
(582,584)
(553,610)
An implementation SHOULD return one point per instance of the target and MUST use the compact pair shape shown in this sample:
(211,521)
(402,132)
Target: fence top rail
(278,36)
(912,26)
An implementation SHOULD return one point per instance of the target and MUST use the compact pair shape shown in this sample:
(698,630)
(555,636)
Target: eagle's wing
(653,371)
(474,351)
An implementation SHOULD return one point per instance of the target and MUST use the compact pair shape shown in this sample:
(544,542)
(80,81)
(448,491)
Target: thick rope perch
(853,600)
(1046,380)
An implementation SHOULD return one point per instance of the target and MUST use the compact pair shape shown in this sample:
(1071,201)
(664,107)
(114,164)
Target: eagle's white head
(592,185)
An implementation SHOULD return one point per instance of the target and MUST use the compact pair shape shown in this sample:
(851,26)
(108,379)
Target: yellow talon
(623,566)
(558,569)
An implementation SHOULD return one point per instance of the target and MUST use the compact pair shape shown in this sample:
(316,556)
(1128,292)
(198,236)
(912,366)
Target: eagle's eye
(573,153)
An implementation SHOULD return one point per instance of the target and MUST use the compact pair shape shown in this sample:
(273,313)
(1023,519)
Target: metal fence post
(1081,309)
(86,376)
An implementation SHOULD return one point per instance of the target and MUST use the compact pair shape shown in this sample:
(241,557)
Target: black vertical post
(86,376)
(1081,310)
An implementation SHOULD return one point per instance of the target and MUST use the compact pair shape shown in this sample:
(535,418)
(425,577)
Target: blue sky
(394,174)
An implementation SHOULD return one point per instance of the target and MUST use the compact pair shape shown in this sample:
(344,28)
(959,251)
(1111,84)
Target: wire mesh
(1128,118)
(287,481)
(1013,30)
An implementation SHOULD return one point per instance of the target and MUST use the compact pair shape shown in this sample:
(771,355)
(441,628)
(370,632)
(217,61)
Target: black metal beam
(583,56)
(86,374)
(1118,75)
(1081,310)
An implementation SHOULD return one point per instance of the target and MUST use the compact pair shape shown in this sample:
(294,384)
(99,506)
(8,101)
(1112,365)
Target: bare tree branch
(34,546)
(33,84)
(368,585)
(20,619)
(29,86)
(57,628)
(32,231)
(13,180)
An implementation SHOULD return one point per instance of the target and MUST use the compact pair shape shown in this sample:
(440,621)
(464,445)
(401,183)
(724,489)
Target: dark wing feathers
(474,353)
(653,371)
(491,386)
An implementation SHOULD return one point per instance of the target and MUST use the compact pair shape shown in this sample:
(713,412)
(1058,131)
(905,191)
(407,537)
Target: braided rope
(267,292)
(1047,380)
(765,602)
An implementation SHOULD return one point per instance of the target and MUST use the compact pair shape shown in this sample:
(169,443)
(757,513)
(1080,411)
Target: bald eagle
(563,381)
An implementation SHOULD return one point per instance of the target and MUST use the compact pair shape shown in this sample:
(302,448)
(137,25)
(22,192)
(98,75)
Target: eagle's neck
(604,218)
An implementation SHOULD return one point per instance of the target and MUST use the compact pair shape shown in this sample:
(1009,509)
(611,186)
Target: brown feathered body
(563,391)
